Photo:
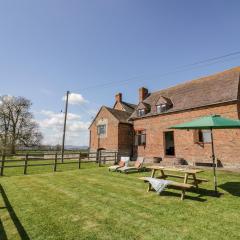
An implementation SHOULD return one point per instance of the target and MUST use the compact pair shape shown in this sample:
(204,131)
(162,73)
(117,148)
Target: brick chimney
(118,97)
(143,93)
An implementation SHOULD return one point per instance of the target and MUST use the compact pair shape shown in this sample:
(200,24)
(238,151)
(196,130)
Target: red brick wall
(110,141)
(125,139)
(227,142)
(118,138)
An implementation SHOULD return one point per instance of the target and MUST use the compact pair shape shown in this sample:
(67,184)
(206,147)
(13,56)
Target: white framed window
(161,108)
(140,138)
(203,136)
(141,112)
(101,129)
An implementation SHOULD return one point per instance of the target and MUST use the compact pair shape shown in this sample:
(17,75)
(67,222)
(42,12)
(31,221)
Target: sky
(96,48)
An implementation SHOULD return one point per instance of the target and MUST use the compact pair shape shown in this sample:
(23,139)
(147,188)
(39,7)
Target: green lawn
(92,203)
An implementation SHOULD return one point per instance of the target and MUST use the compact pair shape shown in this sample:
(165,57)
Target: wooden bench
(172,184)
(203,164)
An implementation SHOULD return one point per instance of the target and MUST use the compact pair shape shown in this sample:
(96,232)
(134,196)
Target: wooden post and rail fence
(27,160)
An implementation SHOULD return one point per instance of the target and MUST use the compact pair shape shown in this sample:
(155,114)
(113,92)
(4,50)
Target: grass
(92,203)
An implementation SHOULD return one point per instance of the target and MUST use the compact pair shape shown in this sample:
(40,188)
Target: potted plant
(157,159)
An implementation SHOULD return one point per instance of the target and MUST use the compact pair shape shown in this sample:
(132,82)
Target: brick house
(157,111)
(111,130)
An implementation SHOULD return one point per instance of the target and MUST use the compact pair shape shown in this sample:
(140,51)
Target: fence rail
(32,160)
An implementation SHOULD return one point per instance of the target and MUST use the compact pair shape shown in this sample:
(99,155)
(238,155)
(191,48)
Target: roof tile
(217,88)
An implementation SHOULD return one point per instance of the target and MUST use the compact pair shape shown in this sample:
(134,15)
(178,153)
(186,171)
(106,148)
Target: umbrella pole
(214,163)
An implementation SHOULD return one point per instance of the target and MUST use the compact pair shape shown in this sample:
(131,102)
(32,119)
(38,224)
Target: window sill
(170,156)
(102,136)
(203,142)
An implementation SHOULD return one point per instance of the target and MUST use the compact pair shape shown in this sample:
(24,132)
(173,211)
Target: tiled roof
(219,88)
(143,105)
(129,107)
(122,116)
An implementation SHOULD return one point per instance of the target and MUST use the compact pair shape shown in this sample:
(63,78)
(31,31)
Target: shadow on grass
(201,192)
(3,235)
(174,194)
(231,187)
(21,231)
(207,192)
(132,171)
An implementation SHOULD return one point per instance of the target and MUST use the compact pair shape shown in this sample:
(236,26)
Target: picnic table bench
(176,185)
(189,174)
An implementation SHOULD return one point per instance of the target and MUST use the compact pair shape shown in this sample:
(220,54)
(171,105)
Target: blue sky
(50,46)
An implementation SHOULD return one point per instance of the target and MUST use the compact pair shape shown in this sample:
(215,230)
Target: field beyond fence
(29,160)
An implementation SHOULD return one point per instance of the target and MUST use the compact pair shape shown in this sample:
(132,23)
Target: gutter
(185,109)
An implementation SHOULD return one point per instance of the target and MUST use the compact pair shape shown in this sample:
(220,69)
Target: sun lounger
(122,163)
(138,166)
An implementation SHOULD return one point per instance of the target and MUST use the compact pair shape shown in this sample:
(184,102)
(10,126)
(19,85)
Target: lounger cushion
(137,164)
(121,163)
(115,167)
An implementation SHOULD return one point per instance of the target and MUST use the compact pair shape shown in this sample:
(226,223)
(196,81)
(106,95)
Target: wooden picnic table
(188,174)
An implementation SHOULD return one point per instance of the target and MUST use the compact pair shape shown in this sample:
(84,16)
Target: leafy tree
(17,125)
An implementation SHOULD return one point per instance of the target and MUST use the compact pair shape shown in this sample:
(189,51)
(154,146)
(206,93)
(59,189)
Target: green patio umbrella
(210,122)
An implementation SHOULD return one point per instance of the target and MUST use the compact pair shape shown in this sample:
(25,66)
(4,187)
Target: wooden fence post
(3,160)
(99,159)
(55,162)
(79,161)
(25,164)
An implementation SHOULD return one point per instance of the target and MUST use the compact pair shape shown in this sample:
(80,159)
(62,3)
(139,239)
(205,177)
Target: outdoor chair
(122,163)
(138,166)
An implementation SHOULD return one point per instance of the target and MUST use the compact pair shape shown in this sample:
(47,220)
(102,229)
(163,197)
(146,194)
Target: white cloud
(51,125)
(75,99)
(92,112)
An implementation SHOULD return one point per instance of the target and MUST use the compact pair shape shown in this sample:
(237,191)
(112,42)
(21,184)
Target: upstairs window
(163,104)
(161,108)
(141,112)
(140,138)
(101,129)
(203,136)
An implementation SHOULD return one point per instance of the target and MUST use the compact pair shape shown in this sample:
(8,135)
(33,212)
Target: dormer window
(163,104)
(161,108)
(143,109)
(141,112)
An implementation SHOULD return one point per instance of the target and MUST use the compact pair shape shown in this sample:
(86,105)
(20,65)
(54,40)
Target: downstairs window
(140,138)
(203,136)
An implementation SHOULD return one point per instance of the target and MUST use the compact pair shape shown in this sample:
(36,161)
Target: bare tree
(17,125)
